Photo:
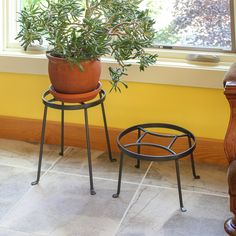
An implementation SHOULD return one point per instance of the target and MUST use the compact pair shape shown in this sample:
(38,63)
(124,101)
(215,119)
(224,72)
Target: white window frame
(169,61)
(10,7)
(10,25)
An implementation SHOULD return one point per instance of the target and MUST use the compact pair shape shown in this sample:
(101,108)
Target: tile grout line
(146,185)
(187,190)
(17,166)
(132,200)
(52,165)
(30,188)
(18,231)
(94,177)
(26,167)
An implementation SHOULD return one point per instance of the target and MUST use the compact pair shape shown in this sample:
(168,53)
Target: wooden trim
(208,150)
(230,147)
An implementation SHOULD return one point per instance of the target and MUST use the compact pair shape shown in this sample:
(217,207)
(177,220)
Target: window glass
(192,23)
(198,24)
(26,3)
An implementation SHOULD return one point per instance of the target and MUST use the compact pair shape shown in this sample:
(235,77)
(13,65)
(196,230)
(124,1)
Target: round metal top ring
(53,103)
(144,131)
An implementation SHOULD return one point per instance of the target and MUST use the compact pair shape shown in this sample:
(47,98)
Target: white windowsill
(169,70)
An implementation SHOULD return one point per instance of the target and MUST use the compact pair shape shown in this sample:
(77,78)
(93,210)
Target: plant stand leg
(139,150)
(192,162)
(41,146)
(106,132)
(92,192)
(116,195)
(62,130)
(179,186)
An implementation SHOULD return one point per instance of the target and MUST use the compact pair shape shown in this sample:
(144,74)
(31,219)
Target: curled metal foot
(116,195)
(113,160)
(35,182)
(61,153)
(183,209)
(92,192)
(197,177)
(229,226)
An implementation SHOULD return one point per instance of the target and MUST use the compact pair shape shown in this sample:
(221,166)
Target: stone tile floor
(148,204)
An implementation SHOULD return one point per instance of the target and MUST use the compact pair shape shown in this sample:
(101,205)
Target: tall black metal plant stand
(53,103)
(134,149)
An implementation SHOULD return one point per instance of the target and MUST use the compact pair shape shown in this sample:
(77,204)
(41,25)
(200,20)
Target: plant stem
(114,30)
(87,11)
(90,9)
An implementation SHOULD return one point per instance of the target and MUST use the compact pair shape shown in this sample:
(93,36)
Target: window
(25,3)
(197,24)
(11,27)
(180,24)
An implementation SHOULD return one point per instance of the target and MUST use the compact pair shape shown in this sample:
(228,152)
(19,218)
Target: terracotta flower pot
(67,78)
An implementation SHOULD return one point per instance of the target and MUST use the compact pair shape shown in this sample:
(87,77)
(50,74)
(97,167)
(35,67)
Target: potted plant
(79,33)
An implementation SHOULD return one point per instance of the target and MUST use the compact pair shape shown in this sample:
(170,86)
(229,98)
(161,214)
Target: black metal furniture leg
(192,161)
(41,146)
(62,130)
(137,164)
(179,187)
(106,132)
(116,195)
(92,192)
(139,149)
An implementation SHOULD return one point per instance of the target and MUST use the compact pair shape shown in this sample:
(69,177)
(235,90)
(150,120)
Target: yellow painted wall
(203,111)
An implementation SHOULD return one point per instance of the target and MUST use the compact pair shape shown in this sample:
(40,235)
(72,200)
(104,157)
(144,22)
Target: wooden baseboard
(208,150)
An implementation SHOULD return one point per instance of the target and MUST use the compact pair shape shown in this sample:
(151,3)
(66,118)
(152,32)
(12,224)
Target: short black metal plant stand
(134,149)
(53,103)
